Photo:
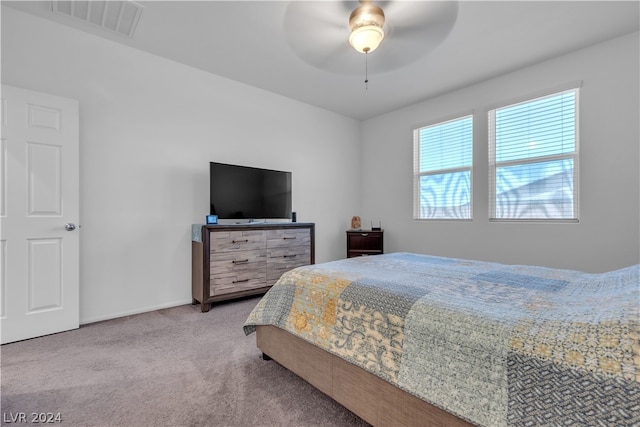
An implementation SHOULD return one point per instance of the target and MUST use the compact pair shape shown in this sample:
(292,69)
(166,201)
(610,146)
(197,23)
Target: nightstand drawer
(364,242)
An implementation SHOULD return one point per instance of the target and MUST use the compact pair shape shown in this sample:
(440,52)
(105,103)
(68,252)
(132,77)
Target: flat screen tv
(248,193)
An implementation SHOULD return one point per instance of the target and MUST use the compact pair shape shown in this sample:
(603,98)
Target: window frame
(574,156)
(417,174)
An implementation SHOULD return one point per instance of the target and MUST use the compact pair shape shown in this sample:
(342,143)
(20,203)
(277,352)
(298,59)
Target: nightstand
(364,242)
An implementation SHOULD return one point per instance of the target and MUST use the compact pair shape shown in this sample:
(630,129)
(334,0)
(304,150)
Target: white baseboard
(133,312)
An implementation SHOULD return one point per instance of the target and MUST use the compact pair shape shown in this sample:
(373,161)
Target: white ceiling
(247,41)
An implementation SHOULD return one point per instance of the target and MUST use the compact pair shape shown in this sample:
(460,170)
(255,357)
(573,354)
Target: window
(442,170)
(533,159)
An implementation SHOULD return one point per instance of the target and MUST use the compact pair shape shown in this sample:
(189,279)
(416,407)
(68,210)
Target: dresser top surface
(198,229)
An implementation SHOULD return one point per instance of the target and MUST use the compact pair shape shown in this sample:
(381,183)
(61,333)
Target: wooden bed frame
(374,400)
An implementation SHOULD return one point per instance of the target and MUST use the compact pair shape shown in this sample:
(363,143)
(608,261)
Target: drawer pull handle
(240,261)
(240,281)
(364,234)
(290,238)
(240,241)
(289,256)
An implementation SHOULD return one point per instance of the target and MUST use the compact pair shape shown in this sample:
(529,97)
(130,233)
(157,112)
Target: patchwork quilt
(497,345)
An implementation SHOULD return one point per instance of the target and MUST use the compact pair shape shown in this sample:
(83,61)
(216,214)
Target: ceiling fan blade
(315,15)
(318,32)
(409,18)
(413,30)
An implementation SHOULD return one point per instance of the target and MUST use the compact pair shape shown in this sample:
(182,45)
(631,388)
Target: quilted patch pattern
(497,345)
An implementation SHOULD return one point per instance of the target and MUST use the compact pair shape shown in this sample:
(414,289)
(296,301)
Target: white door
(39,194)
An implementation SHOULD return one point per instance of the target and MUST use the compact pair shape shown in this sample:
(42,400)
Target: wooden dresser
(232,261)
(364,242)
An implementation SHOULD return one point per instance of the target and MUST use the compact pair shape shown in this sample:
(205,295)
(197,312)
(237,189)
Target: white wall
(607,236)
(148,129)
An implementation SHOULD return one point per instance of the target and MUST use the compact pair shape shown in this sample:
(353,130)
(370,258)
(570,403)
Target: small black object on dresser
(364,242)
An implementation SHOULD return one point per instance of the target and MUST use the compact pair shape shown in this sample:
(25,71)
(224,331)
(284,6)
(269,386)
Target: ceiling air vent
(120,17)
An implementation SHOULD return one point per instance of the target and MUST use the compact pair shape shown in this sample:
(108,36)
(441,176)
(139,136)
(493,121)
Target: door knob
(69,226)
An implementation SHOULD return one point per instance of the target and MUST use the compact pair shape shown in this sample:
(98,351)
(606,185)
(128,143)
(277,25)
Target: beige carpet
(172,367)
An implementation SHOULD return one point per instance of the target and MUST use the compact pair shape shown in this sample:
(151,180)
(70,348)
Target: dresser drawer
(236,283)
(281,260)
(241,240)
(239,261)
(288,237)
(233,271)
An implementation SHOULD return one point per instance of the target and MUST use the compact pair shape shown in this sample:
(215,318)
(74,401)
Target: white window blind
(533,159)
(442,170)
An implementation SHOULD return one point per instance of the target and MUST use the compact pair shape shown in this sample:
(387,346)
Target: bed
(410,339)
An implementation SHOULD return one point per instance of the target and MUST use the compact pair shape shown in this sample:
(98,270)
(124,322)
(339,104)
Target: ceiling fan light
(366,38)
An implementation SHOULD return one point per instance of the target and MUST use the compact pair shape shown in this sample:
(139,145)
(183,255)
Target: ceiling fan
(366,23)
(325,33)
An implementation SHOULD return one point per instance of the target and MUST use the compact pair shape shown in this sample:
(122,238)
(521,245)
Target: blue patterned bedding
(494,344)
